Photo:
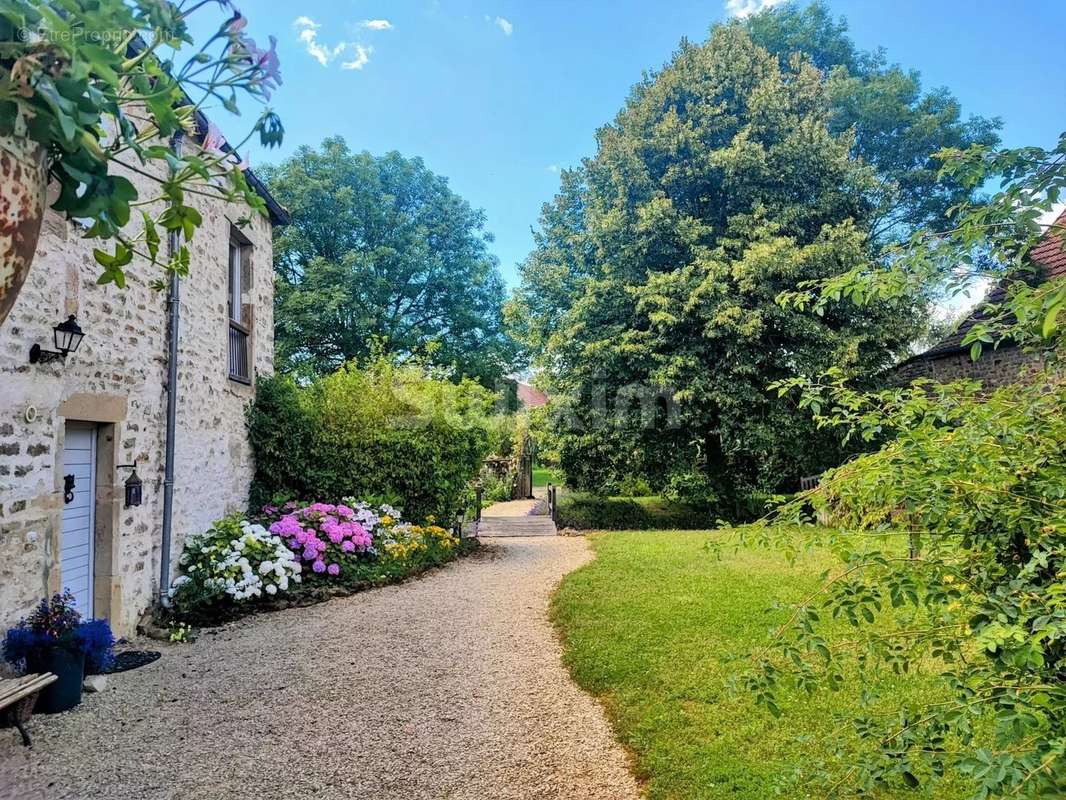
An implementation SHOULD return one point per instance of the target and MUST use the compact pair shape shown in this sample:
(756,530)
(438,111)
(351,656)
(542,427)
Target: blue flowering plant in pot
(55,639)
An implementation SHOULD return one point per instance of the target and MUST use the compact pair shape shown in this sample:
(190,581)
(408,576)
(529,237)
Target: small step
(516,526)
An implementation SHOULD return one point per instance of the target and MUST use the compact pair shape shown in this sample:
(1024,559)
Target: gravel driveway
(446,687)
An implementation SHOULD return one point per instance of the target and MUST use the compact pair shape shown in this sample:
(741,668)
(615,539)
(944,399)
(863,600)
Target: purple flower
(319,566)
(334,569)
(310,553)
(347,545)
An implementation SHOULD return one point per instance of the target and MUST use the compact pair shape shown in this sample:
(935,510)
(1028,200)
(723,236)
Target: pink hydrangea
(321,533)
(286,526)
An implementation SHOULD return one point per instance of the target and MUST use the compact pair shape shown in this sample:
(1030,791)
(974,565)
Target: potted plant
(54,639)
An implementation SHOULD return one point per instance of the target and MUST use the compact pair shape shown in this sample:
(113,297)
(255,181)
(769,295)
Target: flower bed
(300,553)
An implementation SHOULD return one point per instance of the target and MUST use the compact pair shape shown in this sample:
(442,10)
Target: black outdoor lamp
(68,336)
(134,486)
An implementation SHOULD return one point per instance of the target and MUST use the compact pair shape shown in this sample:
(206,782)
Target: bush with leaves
(952,547)
(691,488)
(951,536)
(369,431)
(234,562)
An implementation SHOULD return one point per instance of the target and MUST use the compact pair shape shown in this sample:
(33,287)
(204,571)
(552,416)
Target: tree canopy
(897,127)
(732,175)
(382,256)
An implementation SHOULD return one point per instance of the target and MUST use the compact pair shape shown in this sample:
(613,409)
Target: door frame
(108,414)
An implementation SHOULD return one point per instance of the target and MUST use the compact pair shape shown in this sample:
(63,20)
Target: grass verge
(656,626)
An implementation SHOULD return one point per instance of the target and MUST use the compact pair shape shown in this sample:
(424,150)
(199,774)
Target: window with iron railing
(240,368)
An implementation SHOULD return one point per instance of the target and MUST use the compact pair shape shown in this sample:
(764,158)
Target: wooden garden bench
(17,698)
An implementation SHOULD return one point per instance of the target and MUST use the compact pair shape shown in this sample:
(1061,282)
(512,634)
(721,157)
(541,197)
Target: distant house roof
(531,397)
(1048,254)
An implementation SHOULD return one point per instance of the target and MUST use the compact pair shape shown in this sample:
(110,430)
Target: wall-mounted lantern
(134,486)
(67,335)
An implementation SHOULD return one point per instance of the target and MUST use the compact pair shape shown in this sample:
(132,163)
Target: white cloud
(504,25)
(307,33)
(745,8)
(362,56)
(553,168)
(377,24)
(1052,214)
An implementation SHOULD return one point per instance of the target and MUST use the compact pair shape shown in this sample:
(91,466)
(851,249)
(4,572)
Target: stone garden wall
(994,368)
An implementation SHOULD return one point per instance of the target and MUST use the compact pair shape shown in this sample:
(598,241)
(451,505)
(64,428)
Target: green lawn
(656,625)
(542,476)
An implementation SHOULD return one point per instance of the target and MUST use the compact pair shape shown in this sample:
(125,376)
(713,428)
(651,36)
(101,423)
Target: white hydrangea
(243,567)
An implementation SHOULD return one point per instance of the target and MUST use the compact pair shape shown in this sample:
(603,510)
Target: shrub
(381,430)
(350,544)
(321,534)
(634,486)
(588,512)
(954,533)
(497,488)
(234,562)
(693,489)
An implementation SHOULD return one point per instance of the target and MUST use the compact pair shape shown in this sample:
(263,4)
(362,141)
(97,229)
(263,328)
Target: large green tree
(897,127)
(382,256)
(727,179)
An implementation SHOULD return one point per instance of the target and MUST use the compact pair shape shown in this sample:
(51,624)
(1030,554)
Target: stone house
(949,359)
(69,427)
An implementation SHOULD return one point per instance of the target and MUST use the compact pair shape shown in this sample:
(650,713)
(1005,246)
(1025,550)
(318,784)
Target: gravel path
(446,687)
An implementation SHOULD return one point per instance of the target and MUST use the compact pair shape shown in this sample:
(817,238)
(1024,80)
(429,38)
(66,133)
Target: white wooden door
(76,552)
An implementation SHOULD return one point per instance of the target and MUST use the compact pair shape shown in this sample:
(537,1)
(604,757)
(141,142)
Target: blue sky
(497,95)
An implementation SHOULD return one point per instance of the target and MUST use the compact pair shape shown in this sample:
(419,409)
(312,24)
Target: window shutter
(247,286)
(246,271)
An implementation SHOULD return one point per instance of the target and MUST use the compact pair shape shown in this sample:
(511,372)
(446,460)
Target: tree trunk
(23,182)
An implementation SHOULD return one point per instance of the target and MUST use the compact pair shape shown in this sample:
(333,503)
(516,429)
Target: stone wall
(994,368)
(117,378)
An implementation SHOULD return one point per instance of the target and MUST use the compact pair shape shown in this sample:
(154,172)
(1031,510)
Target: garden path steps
(515,518)
(447,687)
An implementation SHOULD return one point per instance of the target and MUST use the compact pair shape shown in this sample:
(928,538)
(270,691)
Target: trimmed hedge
(588,512)
(424,462)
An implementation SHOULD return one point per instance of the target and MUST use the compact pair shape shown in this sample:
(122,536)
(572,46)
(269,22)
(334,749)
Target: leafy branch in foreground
(952,536)
(95,85)
(993,239)
(952,543)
